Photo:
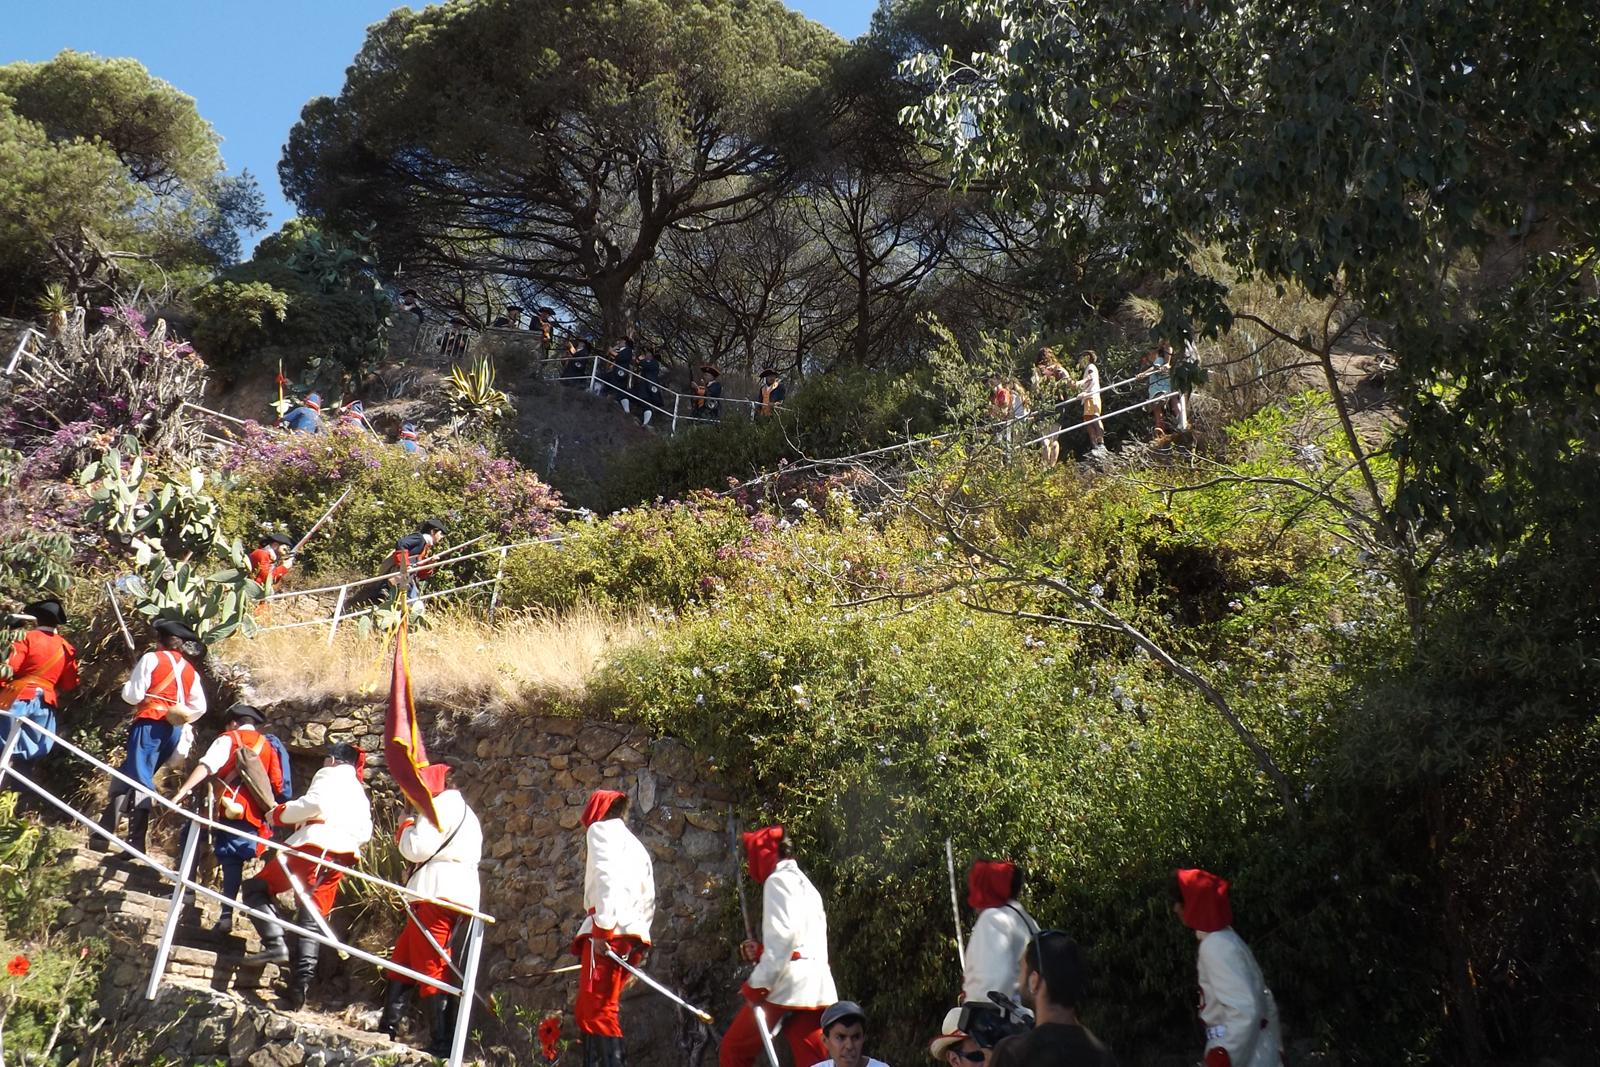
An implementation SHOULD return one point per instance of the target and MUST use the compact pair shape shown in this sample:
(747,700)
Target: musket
(738,876)
(955,904)
(116,608)
(703,1016)
(326,515)
(453,550)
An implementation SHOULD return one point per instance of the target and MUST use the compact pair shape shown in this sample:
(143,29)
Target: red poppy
(18,966)
(550,1038)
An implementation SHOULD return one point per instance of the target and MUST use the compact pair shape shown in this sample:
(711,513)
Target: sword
(955,906)
(766,1035)
(703,1016)
(307,904)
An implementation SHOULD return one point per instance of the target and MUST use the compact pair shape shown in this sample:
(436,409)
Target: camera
(988,1024)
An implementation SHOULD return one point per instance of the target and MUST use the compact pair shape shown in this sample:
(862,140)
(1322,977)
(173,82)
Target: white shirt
(794,942)
(1235,1003)
(868,1062)
(999,938)
(619,882)
(448,871)
(334,813)
(191,699)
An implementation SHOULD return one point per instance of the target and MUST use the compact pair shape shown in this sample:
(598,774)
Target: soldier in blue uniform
(307,418)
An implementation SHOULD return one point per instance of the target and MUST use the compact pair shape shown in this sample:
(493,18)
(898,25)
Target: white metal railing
(183,882)
(342,591)
(28,334)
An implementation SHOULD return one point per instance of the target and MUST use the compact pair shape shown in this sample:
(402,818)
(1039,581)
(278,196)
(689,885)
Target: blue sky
(250,66)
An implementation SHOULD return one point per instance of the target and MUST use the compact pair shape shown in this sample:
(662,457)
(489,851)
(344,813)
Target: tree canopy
(111,178)
(556,143)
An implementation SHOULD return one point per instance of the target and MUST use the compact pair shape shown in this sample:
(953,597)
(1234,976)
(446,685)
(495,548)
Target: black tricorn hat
(46,612)
(709,369)
(276,539)
(174,628)
(248,712)
(770,372)
(432,524)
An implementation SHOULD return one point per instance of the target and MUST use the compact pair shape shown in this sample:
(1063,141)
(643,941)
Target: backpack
(250,775)
(283,767)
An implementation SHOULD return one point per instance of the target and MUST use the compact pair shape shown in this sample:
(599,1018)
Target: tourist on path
(844,1034)
(1088,388)
(1053,986)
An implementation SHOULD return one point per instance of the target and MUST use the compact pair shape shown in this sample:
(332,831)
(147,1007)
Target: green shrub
(287,483)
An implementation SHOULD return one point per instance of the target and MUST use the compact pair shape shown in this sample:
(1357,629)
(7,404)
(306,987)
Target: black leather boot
(303,955)
(139,828)
(111,821)
(594,1050)
(273,949)
(395,1000)
(443,1030)
(616,1052)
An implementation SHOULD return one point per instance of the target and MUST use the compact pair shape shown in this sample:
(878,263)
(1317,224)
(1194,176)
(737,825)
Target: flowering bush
(126,377)
(286,483)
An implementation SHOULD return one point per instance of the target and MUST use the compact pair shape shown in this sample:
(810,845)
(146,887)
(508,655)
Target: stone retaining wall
(527,778)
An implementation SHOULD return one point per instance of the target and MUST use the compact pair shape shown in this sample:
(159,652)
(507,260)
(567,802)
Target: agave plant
(55,304)
(476,402)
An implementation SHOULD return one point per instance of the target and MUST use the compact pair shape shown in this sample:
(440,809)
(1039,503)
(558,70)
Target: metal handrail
(28,334)
(183,883)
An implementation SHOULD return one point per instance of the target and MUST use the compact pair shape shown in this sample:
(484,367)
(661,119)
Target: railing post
(13,736)
(338,608)
(174,911)
(469,987)
(675,398)
(594,366)
(499,572)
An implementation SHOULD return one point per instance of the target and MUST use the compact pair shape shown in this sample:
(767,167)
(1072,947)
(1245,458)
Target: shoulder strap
(448,838)
(1027,920)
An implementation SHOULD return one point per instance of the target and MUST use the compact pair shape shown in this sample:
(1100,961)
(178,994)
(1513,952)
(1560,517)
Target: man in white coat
(791,983)
(619,898)
(445,871)
(332,820)
(1000,933)
(1236,1006)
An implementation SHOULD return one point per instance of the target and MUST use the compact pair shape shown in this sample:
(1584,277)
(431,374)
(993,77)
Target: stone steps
(210,1007)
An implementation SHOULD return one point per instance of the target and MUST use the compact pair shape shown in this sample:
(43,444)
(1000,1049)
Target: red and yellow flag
(403,749)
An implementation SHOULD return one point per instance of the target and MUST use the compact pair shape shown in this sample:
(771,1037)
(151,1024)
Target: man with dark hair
(844,1035)
(792,983)
(1051,975)
(331,821)
(1235,1004)
(404,561)
(167,698)
(41,667)
(619,894)
(236,804)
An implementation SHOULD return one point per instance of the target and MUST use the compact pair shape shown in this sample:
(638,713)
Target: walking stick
(955,904)
(326,515)
(127,635)
(703,1016)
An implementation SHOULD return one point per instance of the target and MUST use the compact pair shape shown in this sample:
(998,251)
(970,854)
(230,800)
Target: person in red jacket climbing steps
(42,666)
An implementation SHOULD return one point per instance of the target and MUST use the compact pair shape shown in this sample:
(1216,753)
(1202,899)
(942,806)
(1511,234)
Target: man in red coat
(271,560)
(42,666)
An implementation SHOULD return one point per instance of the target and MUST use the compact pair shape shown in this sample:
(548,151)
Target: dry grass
(458,661)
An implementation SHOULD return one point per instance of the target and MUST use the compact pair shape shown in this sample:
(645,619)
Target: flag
(403,749)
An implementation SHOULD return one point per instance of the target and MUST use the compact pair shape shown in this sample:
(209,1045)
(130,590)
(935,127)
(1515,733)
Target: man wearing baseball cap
(954,1048)
(844,1035)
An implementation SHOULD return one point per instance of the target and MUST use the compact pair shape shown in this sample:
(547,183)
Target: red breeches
(600,985)
(802,1029)
(322,883)
(412,948)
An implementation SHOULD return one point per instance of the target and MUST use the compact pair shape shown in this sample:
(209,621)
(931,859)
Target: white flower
(700,698)
(1097,591)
